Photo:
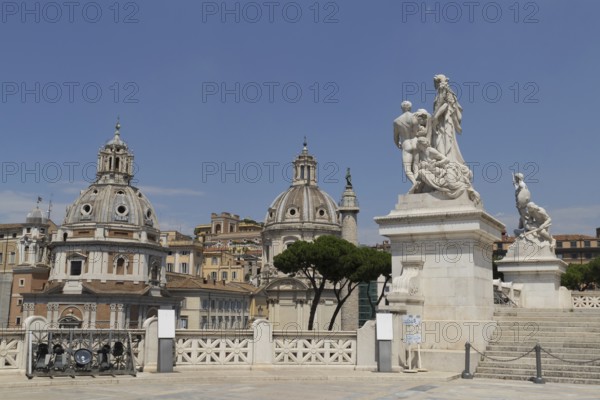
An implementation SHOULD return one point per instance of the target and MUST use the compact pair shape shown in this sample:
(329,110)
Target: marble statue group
(430,153)
(433,162)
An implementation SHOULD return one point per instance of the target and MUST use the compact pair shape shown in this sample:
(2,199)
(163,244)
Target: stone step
(519,310)
(556,318)
(570,335)
(527,327)
(584,341)
(545,315)
(543,332)
(547,379)
(546,365)
(545,373)
(566,354)
(548,345)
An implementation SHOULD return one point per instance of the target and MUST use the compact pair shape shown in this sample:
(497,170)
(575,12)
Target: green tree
(299,258)
(340,259)
(374,264)
(576,275)
(330,258)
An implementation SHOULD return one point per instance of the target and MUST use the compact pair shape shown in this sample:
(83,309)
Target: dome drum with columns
(111,231)
(304,212)
(106,257)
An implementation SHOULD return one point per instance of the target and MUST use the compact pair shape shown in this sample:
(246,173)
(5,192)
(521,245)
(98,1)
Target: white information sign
(412,320)
(385,329)
(412,325)
(166,324)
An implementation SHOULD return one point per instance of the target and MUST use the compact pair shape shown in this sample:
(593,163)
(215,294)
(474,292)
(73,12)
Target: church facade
(305,212)
(107,268)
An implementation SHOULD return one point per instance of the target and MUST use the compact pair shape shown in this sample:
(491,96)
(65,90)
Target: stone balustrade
(586,299)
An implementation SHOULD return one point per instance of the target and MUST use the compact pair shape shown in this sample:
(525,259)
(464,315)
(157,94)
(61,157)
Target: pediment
(286,284)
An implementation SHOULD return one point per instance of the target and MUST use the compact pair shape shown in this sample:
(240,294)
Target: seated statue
(437,173)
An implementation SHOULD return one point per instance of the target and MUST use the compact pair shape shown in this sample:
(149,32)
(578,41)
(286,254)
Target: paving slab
(287,384)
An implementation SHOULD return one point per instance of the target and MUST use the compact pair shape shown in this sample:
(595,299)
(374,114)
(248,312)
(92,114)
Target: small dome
(36,216)
(303,203)
(106,203)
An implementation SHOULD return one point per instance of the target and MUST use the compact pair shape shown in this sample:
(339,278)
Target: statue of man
(446,120)
(522,197)
(539,223)
(348,178)
(407,127)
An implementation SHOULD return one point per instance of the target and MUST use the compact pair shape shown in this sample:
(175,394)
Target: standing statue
(348,178)
(522,197)
(407,128)
(446,120)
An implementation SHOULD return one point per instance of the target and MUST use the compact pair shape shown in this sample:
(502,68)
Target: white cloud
(173,224)
(160,191)
(14,206)
(576,219)
(370,236)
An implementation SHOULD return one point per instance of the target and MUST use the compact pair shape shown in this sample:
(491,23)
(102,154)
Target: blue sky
(215,98)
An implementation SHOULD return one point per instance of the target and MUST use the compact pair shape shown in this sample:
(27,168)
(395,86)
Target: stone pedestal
(536,267)
(442,270)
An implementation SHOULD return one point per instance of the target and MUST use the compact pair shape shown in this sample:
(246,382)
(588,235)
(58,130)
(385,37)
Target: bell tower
(115,161)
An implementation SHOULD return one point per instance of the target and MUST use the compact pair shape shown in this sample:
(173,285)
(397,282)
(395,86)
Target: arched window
(120,266)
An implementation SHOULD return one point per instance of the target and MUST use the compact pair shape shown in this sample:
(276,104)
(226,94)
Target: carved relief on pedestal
(409,282)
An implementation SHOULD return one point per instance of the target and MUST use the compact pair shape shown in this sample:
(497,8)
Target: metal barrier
(71,352)
(466,374)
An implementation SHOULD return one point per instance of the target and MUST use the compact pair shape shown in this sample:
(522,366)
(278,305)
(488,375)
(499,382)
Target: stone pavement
(287,384)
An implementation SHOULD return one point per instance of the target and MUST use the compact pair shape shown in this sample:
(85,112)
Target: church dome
(112,203)
(111,198)
(36,216)
(304,202)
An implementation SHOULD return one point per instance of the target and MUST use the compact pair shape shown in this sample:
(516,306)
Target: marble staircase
(572,335)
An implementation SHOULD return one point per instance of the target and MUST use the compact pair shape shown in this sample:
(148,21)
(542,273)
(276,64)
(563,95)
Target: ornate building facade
(305,212)
(26,267)
(108,265)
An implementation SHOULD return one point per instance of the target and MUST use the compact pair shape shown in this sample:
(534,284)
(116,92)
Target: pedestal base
(540,279)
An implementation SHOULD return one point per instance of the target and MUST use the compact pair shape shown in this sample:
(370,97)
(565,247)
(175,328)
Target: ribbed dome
(106,203)
(302,203)
(111,199)
(36,216)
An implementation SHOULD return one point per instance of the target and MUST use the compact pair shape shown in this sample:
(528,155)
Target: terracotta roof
(11,226)
(507,239)
(248,286)
(574,237)
(110,287)
(177,281)
(116,287)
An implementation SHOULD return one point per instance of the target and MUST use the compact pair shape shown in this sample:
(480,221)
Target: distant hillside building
(184,253)
(24,262)
(571,248)
(232,247)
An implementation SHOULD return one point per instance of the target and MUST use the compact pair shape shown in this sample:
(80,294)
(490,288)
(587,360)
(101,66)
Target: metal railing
(466,374)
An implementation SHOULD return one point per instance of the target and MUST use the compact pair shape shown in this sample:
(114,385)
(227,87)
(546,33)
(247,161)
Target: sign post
(166,337)
(412,327)
(385,335)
